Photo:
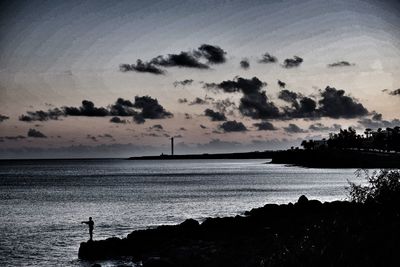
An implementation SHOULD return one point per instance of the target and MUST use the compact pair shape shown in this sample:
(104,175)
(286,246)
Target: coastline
(307,233)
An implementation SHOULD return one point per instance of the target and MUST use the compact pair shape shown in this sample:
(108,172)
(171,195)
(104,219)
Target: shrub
(383,187)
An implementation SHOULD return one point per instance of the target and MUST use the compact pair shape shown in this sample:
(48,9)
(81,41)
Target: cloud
(182,100)
(268,58)
(244,64)
(215,115)
(335,104)
(157,127)
(293,128)
(117,120)
(122,108)
(198,101)
(223,105)
(150,109)
(40,115)
(105,136)
(332,103)
(254,102)
(340,64)
(233,126)
(91,137)
(376,121)
(141,66)
(144,107)
(12,138)
(281,84)
(394,92)
(265,126)
(183,59)
(36,134)
(214,54)
(319,127)
(3,118)
(87,109)
(292,62)
(187,59)
(289,96)
(183,83)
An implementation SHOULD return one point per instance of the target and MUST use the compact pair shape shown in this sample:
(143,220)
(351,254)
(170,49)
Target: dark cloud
(265,126)
(394,92)
(292,62)
(157,127)
(36,134)
(289,96)
(40,115)
(376,116)
(184,59)
(215,115)
(258,106)
(87,109)
(213,54)
(150,109)
(245,64)
(13,138)
(301,106)
(183,83)
(233,126)
(254,102)
(340,64)
(281,84)
(293,128)
(319,127)
(141,66)
(268,58)
(198,101)
(376,121)
(3,118)
(182,100)
(224,104)
(117,120)
(191,59)
(122,108)
(105,136)
(336,104)
(91,137)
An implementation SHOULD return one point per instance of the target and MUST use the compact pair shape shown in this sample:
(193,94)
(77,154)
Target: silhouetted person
(91,226)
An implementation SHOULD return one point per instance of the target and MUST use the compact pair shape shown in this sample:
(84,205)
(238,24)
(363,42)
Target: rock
(302,200)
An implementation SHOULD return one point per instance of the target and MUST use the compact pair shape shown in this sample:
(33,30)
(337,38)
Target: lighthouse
(172,146)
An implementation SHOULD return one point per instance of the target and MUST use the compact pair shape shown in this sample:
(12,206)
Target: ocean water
(43,202)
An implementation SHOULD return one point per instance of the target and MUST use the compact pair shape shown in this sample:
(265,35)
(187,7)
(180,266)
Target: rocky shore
(307,233)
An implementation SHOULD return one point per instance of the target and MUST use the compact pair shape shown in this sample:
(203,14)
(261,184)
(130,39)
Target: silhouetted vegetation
(383,187)
(379,140)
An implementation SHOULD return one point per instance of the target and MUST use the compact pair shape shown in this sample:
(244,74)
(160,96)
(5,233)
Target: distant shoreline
(325,158)
(239,155)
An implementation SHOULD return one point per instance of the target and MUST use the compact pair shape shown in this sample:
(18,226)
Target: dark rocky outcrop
(307,233)
(336,158)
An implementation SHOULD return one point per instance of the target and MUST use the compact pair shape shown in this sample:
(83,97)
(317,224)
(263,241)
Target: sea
(43,202)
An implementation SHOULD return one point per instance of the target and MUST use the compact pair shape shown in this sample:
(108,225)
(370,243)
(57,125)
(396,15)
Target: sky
(119,78)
